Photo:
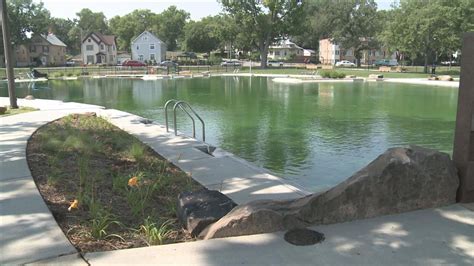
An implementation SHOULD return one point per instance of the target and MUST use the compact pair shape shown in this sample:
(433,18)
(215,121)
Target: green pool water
(315,135)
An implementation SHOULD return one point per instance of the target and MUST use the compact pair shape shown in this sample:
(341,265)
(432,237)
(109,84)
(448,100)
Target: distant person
(433,69)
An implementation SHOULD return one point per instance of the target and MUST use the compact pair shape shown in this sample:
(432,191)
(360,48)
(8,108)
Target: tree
(265,21)
(131,25)
(226,31)
(317,24)
(61,28)
(428,28)
(199,36)
(89,21)
(355,24)
(170,26)
(26,17)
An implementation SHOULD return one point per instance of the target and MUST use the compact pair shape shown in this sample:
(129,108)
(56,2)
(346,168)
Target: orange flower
(73,205)
(133,182)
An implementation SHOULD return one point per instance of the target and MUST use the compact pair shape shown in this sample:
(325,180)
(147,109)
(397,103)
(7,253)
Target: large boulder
(196,210)
(399,180)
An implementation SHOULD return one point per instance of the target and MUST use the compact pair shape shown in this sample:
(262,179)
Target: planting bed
(106,189)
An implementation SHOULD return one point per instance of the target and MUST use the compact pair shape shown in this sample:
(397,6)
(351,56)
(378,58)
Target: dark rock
(196,210)
(303,237)
(3,110)
(400,180)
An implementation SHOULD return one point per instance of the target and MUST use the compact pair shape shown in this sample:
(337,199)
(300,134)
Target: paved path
(29,232)
(28,229)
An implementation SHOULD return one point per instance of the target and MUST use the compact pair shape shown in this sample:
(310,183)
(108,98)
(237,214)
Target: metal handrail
(166,111)
(190,116)
(186,105)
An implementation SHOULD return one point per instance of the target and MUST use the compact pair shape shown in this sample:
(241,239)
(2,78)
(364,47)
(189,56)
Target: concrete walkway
(29,232)
(424,81)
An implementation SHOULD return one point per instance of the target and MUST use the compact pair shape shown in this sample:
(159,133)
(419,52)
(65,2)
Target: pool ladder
(187,109)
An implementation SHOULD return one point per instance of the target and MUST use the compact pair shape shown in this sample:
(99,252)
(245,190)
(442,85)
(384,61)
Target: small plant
(156,234)
(101,223)
(139,193)
(137,152)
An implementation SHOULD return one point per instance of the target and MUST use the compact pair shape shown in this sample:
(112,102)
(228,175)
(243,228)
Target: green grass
(361,72)
(20,110)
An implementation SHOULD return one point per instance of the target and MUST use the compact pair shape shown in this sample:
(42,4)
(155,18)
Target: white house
(99,49)
(285,50)
(148,47)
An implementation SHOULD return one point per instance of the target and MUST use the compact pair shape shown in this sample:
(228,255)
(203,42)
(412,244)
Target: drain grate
(303,237)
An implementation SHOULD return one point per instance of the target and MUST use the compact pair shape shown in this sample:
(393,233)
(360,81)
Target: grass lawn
(20,110)
(351,71)
(105,188)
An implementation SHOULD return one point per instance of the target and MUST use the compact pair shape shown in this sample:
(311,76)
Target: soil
(103,167)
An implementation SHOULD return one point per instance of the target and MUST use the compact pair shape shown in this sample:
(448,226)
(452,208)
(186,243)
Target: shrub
(333,74)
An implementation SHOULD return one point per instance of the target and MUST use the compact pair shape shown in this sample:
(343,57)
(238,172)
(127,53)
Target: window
(337,52)
(277,52)
(285,52)
(152,56)
(113,47)
(45,49)
(152,46)
(138,47)
(101,47)
(89,47)
(89,40)
(32,48)
(145,38)
(140,57)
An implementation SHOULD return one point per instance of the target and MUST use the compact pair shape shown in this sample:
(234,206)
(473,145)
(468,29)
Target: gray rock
(197,210)
(400,180)
(29,97)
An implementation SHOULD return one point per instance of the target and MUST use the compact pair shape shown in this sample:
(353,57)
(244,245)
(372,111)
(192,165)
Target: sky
(197,8)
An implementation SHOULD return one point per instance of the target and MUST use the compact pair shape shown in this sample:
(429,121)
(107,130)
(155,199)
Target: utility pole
(7,48)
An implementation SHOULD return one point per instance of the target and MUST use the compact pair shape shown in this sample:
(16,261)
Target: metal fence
(53,72)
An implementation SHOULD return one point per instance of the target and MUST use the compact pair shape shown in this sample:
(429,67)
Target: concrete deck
(426,237)
(29,233)
(424,81)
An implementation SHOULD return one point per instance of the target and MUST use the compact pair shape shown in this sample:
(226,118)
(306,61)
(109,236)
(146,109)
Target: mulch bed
(85,158)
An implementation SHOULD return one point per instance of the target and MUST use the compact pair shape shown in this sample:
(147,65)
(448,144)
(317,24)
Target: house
(285,50)
(45,50)
(147,47)
(330,53)
(99,49)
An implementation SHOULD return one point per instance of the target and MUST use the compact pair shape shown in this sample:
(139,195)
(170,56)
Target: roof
(52,39)
(147,32)
(106,39)
(285,44)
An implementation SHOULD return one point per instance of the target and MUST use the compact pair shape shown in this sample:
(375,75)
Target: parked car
(168,63)
(133,63)
(274,63)
(386,62)
(448,63)
(345,63)
(231,63)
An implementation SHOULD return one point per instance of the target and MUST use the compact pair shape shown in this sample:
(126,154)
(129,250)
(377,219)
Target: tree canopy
(265,21)
(428,28)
